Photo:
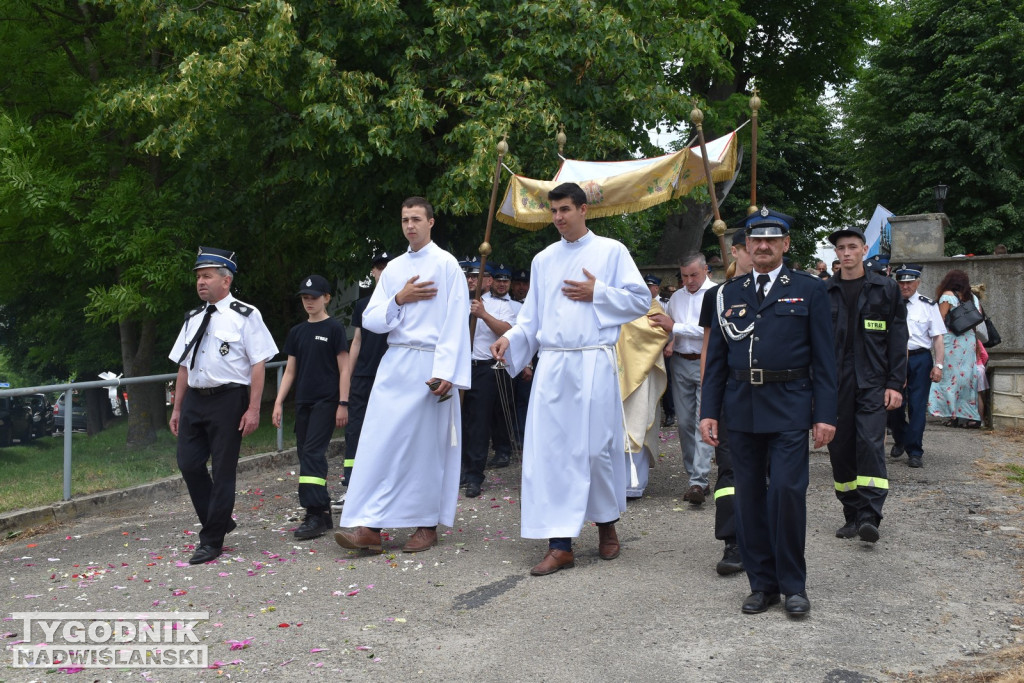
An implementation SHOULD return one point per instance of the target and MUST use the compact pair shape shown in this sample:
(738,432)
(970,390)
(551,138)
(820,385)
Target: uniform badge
(784,279)
(746,283)
(743,311)
(728,313)
(764,210)
(224,348)
(309,282)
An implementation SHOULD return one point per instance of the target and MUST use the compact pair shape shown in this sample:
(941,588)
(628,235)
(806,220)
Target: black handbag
(964,317)
(993,334)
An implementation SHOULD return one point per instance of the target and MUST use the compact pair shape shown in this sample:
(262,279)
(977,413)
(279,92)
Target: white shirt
(773,276)
(503,309)
(684,309)
(923,322)
(233,343)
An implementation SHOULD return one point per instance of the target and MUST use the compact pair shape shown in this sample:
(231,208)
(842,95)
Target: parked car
(15,420)
(43,422)
(78,418)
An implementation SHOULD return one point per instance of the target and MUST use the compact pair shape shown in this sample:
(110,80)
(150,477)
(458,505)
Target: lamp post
(940,192)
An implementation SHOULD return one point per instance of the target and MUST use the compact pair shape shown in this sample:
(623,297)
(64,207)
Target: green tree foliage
(940,101)
(793,51)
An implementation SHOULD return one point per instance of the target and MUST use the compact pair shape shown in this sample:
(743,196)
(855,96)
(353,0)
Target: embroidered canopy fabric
(618,187)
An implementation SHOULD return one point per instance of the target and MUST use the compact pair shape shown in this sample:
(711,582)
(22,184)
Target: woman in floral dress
(956,397)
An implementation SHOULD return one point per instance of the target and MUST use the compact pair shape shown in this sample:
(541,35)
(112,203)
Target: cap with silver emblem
(315,285)
(767,223)
(209,257)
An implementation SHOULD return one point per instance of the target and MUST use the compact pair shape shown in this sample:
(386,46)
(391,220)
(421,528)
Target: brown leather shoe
(607,542)
(553,561)
(695,495)
(362,538)
(424,538)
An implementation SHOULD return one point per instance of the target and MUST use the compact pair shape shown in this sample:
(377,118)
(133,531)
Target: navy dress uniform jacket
(880,340)
(792,330)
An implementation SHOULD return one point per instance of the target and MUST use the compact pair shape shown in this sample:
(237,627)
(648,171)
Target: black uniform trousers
(477,418)
(771,521)
(725,487)
(314,427)
(358,398)
(915,403)
(858,450)
(208,431)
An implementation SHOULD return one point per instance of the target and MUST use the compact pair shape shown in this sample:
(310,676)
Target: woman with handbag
(956,397)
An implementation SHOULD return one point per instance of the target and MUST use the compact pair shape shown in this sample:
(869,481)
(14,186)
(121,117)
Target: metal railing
(119,382)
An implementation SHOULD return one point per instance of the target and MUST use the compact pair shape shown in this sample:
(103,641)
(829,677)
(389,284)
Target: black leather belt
(688,356)
(210,391)
(917,351)
(758,376)
(481,362)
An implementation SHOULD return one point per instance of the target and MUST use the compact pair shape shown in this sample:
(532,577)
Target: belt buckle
(756,376)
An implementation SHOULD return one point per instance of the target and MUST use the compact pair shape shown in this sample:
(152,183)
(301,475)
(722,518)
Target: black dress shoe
(472,489)
(868,532)
(914,461)
(758,602)
(896,451)
(498,463)
(204,553)
(848,530)
(731,563)
(797,605)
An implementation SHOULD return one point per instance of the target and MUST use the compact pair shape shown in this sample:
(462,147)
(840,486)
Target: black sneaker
(848,530)
(896,451)
(731,562)
(315,525)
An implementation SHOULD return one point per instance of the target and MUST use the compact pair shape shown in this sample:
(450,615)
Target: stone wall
(1007,395)
(1004,293)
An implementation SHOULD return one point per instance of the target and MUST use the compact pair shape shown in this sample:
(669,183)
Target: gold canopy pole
(485,246)
(718,227)
(755,104)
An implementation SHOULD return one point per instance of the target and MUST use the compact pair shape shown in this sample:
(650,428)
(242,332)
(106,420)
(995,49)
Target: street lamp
(940,196)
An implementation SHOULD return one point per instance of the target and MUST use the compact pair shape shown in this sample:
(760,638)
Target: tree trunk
(684,231)
(147,411)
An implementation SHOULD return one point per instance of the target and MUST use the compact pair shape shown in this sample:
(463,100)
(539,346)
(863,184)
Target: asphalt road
(942,585)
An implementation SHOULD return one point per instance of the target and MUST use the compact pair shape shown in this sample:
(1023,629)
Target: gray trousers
(686,397)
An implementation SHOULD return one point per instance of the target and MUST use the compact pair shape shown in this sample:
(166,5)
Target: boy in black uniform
(870,322)
(318,366)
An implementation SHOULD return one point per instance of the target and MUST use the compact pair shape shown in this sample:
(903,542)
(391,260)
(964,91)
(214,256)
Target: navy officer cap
(502,273)
(908,272)
(316,285)
(847,232)
(521,275)
(767,223)
(208,257)
(652,279)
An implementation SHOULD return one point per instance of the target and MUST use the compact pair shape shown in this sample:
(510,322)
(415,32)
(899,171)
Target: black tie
(193,345)
(762,280)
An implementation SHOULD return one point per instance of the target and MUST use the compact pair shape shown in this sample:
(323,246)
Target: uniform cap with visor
(316,285)
(767,223)
(209,257)
(908,272)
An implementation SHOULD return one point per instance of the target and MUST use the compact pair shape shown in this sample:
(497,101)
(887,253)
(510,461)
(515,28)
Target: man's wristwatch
(939,366)
(343,404)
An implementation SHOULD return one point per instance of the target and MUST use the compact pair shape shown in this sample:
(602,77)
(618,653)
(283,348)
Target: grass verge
(33,473)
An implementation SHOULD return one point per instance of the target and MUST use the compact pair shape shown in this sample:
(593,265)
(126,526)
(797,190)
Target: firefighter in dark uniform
(870,321)
(770,359)
(221,352)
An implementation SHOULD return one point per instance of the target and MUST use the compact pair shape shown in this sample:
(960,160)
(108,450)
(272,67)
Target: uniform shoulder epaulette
(195,311)
(805,274)
(243,309)
(925,299)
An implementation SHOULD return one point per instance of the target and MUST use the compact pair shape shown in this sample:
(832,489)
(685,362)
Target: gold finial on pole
(560,138)
(755,104)
(718,227)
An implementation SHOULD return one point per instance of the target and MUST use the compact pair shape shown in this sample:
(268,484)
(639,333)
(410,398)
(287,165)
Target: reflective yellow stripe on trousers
(872,482)
(313,480)
(727,491)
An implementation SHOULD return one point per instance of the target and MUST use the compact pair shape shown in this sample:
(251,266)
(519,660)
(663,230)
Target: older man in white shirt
(683,321)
